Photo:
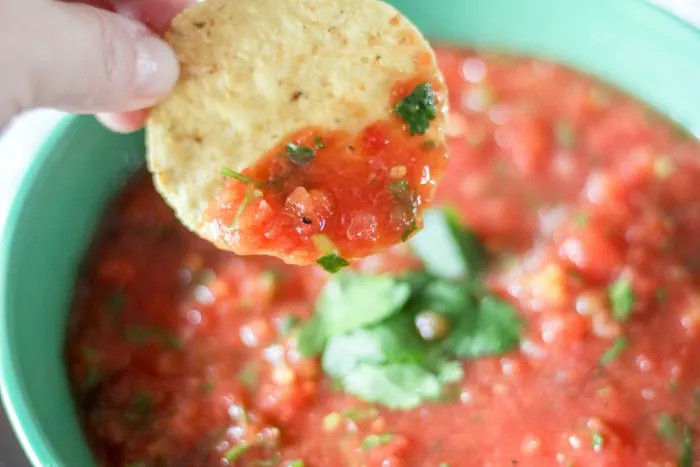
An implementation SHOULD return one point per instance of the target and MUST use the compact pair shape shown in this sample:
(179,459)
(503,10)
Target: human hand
(86,59)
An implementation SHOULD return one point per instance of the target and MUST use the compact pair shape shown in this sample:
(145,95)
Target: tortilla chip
(254,71)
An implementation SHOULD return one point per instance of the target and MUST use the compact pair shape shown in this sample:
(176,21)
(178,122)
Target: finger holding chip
(309,130)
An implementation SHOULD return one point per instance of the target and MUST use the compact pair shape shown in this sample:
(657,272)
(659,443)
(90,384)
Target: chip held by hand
(310,130)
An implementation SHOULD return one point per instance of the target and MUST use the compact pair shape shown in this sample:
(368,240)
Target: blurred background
(22,137)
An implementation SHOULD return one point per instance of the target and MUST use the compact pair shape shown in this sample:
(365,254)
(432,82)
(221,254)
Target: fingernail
(157,68)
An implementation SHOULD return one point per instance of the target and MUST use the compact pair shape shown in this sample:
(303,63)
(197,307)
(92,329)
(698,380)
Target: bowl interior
(629,43)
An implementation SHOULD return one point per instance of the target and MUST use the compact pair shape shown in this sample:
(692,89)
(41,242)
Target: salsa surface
(327,192)
(178,352)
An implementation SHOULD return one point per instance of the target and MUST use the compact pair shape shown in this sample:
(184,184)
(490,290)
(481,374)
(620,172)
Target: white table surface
(24,135)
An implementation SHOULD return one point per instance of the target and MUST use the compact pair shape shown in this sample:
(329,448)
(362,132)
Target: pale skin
(86,59)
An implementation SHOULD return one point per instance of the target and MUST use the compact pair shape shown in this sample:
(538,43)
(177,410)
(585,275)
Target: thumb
(84,59)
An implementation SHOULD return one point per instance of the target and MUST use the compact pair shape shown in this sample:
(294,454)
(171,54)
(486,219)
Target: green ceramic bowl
(635,46)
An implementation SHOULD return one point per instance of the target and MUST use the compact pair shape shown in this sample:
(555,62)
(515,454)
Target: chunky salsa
(549,316)
(324,194)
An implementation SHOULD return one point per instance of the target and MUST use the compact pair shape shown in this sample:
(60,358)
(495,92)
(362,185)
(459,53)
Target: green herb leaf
(252,193)
(663,167)
(332,262)
(318,142)
(91,379)
(661,295)
(565,134)
(400,385)
(88,352)
(115,301)
(140,408)
(580,219)
(207,386)
(622,298)
(295,463)
(372,441)
(138,334)
(204,276)
(406,197)
(446,248)
(398,188)
(361,413)
(610,355)
(672,386)
(350,301)
(666,427)
(286,324)
(300,155)
(409,231)
(331,421)
(229,173)
(450,298)
(169,339)
(249,375)
(418,109)
(270,462)
(389,364)
(493,329)
(597,441)
(143,334)
(686,457)
(237,451)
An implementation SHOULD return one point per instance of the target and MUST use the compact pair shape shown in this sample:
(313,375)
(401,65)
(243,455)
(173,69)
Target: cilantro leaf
(91,379)
(229,173)
(237,451)
(332,262)
(389,364)
(286,323)
(446,248)
(418,109)
(686,456)
(373,440)
(610,355)
(409,231)
(494,328)
(299,155)
(407,198)
(400,385)
(392,340)
(449,298)
(622,298)
(597,441)
(667,426)
(115,301)
(398,188)
(565,134)
(351,301)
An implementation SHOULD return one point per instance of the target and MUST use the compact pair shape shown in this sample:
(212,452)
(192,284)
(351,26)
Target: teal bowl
(80,168)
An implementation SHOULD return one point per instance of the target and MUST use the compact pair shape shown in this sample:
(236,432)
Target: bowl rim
(15,401)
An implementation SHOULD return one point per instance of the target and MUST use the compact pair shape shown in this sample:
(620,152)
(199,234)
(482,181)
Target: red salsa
(324,192)
(588,205)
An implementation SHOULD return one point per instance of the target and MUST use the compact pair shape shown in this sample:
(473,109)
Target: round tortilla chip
(255,71)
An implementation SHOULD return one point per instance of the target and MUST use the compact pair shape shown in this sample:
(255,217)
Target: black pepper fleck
(306,220)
